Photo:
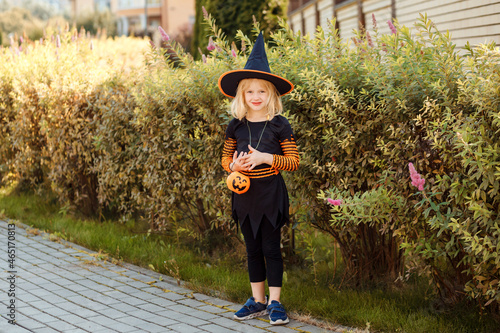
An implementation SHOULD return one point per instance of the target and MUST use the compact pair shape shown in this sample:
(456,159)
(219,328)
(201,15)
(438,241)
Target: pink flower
(369,39)
(205,13)
(204,58)
(392,27)
(412,168)
(233,53)
(416,178)
(420,184)
(211,44)
(334,202)
(91,45)
(58,41)
(164,36)
(153,46)
(374,22)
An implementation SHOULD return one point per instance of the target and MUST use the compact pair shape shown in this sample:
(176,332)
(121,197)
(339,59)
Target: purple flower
(153,46)
(334,202)
(233,53)
(164,36)
(392,27)
(211,44)
(204,58)
(21,39)
(58,41)
(205,13)
(374,22)
(416,178)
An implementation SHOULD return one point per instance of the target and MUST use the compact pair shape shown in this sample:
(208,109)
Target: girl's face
(256,96)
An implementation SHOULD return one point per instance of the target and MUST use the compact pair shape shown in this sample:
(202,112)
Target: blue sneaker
(277,313)
(251,309)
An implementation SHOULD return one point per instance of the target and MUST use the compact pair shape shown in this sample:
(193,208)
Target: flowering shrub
(368,226)
(411,95)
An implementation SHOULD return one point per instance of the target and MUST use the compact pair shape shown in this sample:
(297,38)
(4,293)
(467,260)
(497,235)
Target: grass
(405,309)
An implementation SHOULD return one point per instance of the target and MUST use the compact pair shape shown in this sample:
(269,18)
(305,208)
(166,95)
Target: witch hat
(257,67)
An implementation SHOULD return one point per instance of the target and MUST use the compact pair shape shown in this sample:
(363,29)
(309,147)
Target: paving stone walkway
(48,285)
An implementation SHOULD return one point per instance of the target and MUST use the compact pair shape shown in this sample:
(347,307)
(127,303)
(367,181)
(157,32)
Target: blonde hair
(239,108)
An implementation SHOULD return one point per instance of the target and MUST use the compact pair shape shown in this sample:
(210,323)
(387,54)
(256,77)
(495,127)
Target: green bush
(96,23)
(20,22)
(378,105)
(233,16)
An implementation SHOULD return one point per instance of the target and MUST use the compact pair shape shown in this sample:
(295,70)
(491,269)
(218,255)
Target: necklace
(250,134)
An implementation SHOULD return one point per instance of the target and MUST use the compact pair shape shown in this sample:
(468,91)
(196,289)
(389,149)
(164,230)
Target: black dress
(267,196)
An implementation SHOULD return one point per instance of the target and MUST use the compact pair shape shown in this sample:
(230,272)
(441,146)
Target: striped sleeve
(289,161)
(227,153)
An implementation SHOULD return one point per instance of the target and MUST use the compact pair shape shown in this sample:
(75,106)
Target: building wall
(172,15)
(325,8)
(347,17)
(476,21)
(177,14)
(82,7)
(382,11)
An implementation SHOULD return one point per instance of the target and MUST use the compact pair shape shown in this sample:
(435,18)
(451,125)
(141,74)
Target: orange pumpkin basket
(238,182)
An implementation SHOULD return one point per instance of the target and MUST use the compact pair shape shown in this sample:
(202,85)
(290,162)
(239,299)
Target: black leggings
(263,252)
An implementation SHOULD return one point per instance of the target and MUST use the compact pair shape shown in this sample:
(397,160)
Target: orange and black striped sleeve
(289,161)
(227,153)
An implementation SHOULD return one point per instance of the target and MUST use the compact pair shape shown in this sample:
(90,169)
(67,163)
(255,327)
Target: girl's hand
(255,157)
(238,161)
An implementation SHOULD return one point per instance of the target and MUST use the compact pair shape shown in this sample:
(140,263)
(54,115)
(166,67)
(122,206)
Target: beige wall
(476,21)
(176,14)
(172,15)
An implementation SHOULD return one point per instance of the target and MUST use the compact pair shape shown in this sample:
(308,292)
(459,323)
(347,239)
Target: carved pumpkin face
(238,182)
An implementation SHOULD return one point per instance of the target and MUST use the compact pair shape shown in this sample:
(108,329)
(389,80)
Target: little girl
(259,143)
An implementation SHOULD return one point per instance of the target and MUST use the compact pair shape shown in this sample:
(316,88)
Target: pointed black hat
(257,67)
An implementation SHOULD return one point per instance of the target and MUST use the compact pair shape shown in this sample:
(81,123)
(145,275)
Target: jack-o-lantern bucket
(238,182)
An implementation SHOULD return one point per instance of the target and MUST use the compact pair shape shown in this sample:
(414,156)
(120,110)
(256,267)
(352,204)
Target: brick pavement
(62,287)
